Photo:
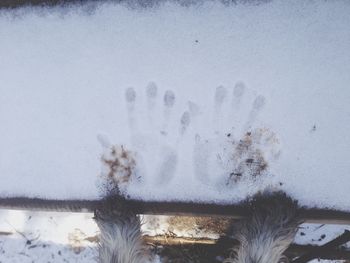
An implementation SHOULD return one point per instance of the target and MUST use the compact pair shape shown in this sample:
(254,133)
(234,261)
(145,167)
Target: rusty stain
(121,165)
(247,155)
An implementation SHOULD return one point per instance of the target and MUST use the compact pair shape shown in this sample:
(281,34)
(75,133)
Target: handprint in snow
(224,150)
(118,167)
(238,151)
(156,132)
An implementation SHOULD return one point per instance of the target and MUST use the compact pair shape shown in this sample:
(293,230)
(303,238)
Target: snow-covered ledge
(196,95)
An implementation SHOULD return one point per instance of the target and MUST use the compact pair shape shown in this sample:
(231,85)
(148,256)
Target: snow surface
(178,87)
(46,237)
(27,236)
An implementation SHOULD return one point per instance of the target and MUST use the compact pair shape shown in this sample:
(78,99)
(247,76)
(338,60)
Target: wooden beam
(11,4)
(163,240)
(320,216)
(38,204)
(325,249)
(222,246)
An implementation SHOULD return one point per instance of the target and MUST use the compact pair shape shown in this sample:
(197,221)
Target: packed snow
(207,102)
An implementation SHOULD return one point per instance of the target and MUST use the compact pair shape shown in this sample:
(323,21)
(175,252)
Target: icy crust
(243,97)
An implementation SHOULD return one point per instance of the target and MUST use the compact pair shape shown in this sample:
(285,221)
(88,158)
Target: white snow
(71,237)
(69,76)
(46,237)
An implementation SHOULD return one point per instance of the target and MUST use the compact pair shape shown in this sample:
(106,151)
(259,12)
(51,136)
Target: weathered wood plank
(325,249)
(321,216)
(20,3)
(207,244)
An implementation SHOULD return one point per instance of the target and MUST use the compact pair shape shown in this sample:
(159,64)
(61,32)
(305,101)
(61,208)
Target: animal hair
(267,232)
(120,234)
(263,236)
